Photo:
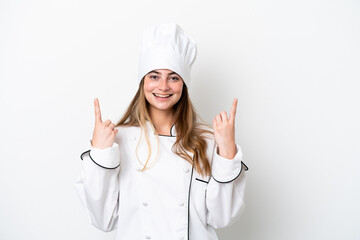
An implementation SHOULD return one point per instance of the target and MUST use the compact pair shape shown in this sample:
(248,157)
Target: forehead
(162,71)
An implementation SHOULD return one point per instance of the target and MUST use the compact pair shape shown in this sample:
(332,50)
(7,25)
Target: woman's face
(162,88)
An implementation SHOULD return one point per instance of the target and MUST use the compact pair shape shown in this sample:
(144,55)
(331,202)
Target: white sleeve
(225,191)
(98,186)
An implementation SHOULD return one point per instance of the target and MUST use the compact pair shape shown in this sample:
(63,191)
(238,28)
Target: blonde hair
(190,133)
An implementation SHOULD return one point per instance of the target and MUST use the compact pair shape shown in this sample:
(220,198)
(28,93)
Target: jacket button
(186,170)
(139,169)
(145,204)
(147,237)
(181,204)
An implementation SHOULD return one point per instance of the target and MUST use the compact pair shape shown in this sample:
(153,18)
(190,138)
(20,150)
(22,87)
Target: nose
(163,85)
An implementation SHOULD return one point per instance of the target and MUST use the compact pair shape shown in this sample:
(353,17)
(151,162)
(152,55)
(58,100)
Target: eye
(153,76)
(174,78)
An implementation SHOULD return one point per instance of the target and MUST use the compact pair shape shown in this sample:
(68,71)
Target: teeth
(162,95)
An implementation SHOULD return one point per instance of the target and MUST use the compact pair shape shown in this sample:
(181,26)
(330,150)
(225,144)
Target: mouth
(162,95)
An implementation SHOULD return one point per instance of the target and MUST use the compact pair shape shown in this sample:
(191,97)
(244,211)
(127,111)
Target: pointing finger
(97,111)
(233,110)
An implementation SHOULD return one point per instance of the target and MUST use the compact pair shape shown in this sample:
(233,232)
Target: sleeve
(98,186)
(225,191)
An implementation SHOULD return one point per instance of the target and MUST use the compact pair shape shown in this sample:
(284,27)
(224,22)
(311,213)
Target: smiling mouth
(162,95)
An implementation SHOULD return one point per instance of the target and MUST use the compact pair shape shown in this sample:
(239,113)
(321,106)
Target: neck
(163,120)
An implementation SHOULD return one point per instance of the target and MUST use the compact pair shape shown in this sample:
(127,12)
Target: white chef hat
(166,46)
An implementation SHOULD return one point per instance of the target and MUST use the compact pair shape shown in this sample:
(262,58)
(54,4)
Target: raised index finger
(97,111)
(233,110)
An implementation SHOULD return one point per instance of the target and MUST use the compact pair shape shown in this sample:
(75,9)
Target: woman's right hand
(104,132)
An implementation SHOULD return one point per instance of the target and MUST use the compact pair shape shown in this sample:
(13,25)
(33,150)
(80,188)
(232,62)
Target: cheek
(149,87)
(176,86)
(147,95)
(178,89)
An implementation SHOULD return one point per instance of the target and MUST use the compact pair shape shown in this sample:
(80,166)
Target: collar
(151,129)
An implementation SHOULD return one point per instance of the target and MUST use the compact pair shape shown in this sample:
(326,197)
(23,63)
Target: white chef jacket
(170,200)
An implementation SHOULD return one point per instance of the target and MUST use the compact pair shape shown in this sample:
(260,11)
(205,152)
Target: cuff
(227,170)
(108,158)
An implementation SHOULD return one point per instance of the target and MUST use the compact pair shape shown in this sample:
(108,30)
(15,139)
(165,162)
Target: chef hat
(166,46)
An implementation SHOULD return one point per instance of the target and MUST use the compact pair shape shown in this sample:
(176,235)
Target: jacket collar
(172,130)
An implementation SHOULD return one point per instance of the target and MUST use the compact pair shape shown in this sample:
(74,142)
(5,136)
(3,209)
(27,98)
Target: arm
(98,186)
(225,192)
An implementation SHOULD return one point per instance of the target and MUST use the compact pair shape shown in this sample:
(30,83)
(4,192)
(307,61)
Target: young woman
(160,173)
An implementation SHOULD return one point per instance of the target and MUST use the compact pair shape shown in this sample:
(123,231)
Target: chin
(164,108)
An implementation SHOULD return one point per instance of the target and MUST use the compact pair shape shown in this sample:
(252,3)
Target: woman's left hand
(224,132)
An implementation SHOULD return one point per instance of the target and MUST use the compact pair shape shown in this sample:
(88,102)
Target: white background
(293,65)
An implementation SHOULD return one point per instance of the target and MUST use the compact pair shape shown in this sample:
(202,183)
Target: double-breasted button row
(180,203)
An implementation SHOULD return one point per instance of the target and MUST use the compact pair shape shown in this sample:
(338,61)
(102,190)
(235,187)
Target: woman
(159,173)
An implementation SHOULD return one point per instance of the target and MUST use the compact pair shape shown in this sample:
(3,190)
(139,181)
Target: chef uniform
(170,200)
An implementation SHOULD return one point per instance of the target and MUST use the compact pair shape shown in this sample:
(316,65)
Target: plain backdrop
(293,65)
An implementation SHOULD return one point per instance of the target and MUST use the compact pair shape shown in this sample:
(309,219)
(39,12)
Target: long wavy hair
(191,133)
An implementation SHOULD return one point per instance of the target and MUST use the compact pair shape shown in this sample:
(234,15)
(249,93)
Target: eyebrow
(159,73)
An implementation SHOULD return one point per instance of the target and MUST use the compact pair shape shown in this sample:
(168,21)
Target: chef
(160,173)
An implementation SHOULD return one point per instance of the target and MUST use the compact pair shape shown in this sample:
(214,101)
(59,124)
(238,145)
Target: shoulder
(127,131)
(125,128)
